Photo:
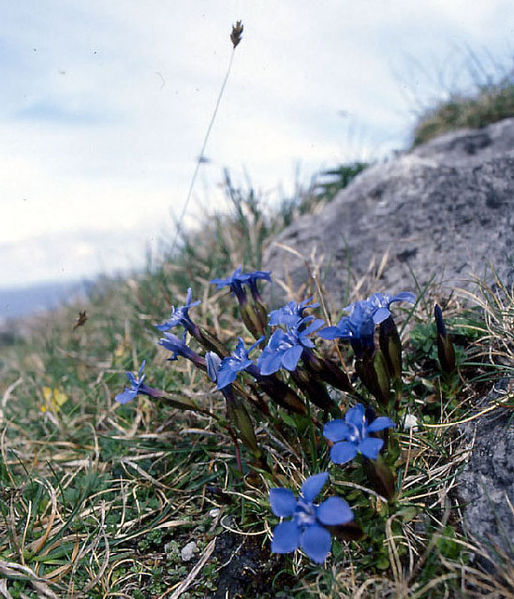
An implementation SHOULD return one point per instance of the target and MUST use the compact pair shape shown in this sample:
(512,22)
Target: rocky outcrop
(444,210)
(486,486)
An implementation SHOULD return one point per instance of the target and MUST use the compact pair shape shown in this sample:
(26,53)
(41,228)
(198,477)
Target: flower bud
(445,349)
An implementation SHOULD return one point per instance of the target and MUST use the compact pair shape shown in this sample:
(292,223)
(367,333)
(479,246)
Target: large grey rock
(487,483)
(445,209)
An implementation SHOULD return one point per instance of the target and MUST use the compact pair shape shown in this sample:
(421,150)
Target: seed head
(237,33)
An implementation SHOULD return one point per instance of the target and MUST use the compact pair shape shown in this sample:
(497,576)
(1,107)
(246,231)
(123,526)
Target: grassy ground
(490,98)
(99,499)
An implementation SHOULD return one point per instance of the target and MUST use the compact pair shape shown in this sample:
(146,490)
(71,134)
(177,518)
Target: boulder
(444,210)
(486,485)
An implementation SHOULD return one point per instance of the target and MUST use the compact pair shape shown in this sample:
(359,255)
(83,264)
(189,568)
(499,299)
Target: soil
(249,570)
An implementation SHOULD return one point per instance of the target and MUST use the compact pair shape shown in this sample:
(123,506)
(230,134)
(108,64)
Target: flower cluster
(285,340)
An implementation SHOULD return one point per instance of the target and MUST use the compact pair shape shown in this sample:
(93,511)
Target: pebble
(188,551)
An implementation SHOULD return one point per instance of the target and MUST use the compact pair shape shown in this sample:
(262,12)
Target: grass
(489,99)
(99,499)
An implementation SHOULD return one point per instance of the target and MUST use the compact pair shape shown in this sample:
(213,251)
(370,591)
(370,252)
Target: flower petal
(336,430)
(330,333)
(282,501)
(316,542)
(125,396)
(225,375)
(334,511)
(343,452)
(312,486)
(269,362)
(370,447)
(286,537)
(403,296)
(291,357)
(380,423)
(380,315)
(355,416)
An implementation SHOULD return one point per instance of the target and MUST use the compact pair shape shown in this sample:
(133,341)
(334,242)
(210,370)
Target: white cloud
(105,104)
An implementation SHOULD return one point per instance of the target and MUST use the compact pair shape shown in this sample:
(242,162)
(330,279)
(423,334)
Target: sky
(104,107)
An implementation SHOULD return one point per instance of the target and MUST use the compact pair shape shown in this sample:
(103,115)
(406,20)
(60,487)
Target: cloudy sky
(104,106)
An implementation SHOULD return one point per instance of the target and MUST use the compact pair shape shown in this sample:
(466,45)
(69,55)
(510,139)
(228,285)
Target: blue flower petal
(336,430)
(380,315)
(286,537)
(334,511)
(316,543)
(314,326)
(343,452)
(330,333)
(269,362)
(213,362)
(291,357)
(404,296)
(226,376)
(355,415)
(370,447)
(125,396)
(380,423)
(282,501)
(312,486)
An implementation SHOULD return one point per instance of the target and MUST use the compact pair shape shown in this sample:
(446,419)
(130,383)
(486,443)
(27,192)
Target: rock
(188,551)
(444,210)
(486,485)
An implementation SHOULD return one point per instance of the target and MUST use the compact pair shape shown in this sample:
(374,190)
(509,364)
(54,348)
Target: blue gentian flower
(351,436)
(253,277)
(180,315)
(178,347)
(306,529)
(213,362)
(235,282)
(358,328)
(291,313)
(136,382)
(238,279)
(380,302)
(236,362)
(285,348)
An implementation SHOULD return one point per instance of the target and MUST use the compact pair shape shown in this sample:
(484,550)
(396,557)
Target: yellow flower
(54,399)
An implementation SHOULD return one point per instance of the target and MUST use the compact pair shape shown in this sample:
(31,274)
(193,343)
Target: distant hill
(24,301)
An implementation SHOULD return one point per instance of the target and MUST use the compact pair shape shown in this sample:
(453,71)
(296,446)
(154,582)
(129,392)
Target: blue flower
(380,302)
(253,277)
(358,328)
(306,529)
(285,348)
(352,436)
(291,313)
(178,347)
(238,279)
(213,362)
(180,315)
(236,362)
(136,382)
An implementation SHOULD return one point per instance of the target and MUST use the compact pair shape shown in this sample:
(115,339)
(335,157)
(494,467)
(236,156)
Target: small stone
(214,512)
(410,422)
(188,551)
